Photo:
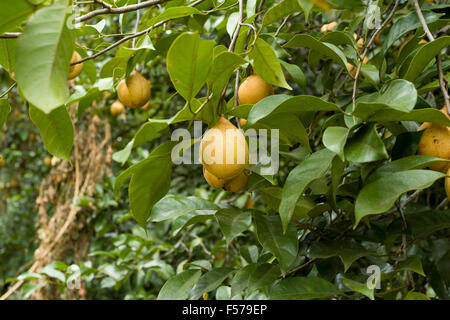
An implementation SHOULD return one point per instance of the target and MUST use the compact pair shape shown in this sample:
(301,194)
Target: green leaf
(56,130)
(281,103)
(404,25)
(189,60)
(365,146)
(241,279)
(263,275)
(334,139)
(178,287)
(379,196)
(270,234)
(43,57)
(412,263)
(419,115)
(5,109)
(313,167)
(295,72)
(279,11)
(306,5)
(173,13)
(233,222)
(416,296)
(210,281)
(303,288)
(349,251)
(147,186)
(339,38)
(424,56)
(13,13)
(403,164)
(272,198)
(266,64)
(191,218)
(171,207)
(359,287)
(400,95)
(162,151)
(322,48)
(8,54)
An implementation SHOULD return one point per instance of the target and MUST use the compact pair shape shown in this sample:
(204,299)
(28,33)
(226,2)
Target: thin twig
(366,49)
(442,80)
(282,25)
(125,39)
(9,90)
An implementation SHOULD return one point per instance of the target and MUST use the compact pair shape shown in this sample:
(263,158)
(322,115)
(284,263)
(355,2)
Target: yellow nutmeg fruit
(253,89)
(238,183)
(212,180)
(360,41)
(242,122)
(48,161)
(76,69)
(224,150)
(352,68)
(136,92)
(116,108)
(435,142)
(146,106)
(249,204)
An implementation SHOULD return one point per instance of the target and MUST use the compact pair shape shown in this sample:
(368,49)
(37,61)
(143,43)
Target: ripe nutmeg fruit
(253,89)
(224,150)
(435,142)
(136,92)
(116,108)
(76,69)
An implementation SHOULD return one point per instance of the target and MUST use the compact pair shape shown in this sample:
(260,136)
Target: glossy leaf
(233,222)
(13,13)
(272,198)
(365,146)
(325,49)
(312,168)
(334,139)
(43,56)
(266,64)
(56,130)
(284,246)
(178,287)
(8,54)
(279,11)
(210,281)
(379,196)
(303,288)
(189,60)
(171,207)
(359,287)
(5,109)
(424,56)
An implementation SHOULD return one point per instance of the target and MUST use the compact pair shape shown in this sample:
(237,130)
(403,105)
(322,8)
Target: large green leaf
(43,56)
(419,115)
(189,60)
(379,196)
(56,130)
(5,109)
(263,275)
(284,246)
(325,49)
(365,146)
(233,222)
(348,251)
(179,287)
(403,25)
(303,288)
(148,185)
(171,207)
(403,164)
(266,64)
(173,13)
(400,95)
(191,218)
(8,54)
(334,139)
(279,11)
(13,13)
(359,287)
(310,169)
(210,281)
(287,104)
(272,198)
(424,56)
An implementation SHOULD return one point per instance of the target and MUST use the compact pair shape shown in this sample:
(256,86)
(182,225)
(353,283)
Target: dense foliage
(352,196)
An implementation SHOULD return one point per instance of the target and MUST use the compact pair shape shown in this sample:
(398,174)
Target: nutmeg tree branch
(366,49)
(442,80)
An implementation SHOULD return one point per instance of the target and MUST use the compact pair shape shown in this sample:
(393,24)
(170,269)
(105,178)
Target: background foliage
(351,191)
